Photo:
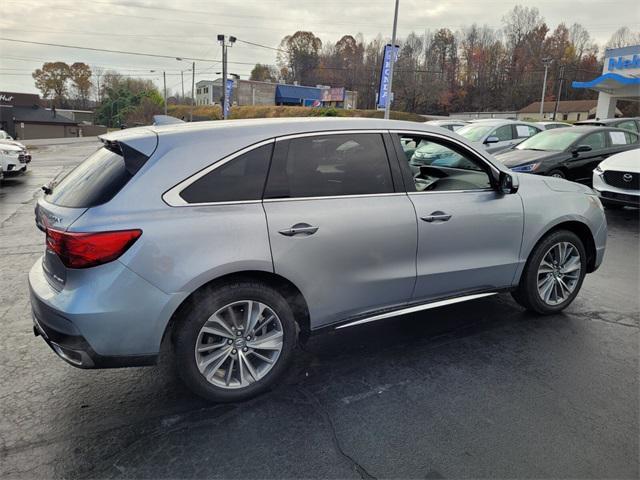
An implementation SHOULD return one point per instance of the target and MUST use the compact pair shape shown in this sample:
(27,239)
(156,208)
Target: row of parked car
(600,153)
(14,156)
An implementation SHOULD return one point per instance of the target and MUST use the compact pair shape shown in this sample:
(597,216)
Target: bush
(214,112)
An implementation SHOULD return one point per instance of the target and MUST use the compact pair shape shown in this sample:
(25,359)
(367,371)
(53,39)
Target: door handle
(436,216)
(299,229)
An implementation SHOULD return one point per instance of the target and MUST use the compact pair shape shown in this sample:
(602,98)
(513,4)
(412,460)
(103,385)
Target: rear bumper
(105,316)
(67,342)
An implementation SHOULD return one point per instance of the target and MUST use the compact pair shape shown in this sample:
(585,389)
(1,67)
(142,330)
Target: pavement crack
(325,413)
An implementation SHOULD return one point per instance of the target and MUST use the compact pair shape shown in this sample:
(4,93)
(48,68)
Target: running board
(417,308)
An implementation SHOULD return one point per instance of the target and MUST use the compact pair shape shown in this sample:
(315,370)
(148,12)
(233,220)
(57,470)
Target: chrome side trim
(330,132)
(452,191)
(329,197)
(417,308)
(172,196)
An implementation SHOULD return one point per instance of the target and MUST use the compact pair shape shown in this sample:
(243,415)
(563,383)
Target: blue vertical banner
(383,89)
(227,97)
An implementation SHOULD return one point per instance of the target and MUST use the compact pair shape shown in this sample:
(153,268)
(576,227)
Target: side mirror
(507,183)
(492,140)
(581,148)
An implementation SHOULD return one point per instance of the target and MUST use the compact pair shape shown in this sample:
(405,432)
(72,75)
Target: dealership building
(251,92)
(620,80)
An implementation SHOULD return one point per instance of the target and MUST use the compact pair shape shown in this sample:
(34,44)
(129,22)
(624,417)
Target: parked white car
(13,159)
(551,125)
(616,180)
(451,124)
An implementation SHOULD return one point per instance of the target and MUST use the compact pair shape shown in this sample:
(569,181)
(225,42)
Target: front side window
(503,133)
(595,140)
(240,179)
(438,165)
(474,132)
(330,165)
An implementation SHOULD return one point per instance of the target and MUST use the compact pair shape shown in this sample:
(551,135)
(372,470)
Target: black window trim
(493,171)
(172,196)
(397,185)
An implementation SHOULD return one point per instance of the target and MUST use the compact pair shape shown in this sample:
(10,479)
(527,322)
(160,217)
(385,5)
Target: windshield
(474,132)
(555,140)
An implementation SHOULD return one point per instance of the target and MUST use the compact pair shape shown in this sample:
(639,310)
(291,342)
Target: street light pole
(164,81)
(555,110)
(193,90)
(387,107)
(222,39)
(546,62)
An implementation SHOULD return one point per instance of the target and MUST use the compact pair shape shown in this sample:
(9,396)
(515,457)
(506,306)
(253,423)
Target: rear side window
(628,125)
(330,165)
(240,179)
(94,182)
(622,138)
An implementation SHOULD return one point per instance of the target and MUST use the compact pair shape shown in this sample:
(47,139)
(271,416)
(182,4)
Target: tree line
(476,68)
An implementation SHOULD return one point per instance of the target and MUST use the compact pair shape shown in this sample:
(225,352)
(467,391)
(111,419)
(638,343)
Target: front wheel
(234,341)
(554,273)
(556,174)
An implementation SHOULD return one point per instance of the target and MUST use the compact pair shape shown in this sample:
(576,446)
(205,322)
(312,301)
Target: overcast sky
(188,28)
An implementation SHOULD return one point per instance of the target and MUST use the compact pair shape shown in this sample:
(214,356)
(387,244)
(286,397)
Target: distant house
(568,110)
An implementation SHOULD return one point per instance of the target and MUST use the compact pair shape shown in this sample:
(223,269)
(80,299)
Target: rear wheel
(554,273)
(557,174)
(234,341)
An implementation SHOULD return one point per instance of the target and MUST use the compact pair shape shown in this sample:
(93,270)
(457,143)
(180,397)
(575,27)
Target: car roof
(248,131)
(605,121)
(444,122)
(585,129)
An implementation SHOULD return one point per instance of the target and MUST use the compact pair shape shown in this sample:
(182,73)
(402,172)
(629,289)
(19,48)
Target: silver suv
(228,240)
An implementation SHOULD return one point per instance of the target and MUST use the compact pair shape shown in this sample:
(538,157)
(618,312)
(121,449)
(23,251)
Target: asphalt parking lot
(480,389)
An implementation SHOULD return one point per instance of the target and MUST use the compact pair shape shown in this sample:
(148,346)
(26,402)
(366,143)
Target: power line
(106,50)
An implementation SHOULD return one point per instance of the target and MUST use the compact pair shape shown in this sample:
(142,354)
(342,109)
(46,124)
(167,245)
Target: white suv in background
(11,162)
(13,159)
(616,180)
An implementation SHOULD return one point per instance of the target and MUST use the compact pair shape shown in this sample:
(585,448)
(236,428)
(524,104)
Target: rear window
(94,182)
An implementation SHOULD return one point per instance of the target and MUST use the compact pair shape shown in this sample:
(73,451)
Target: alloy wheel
(239,344)
(559,273)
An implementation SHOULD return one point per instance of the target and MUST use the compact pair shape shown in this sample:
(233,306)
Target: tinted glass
(330,165)
(628,125)
(503,133)
(242,178)
(622,138)
(595,140)
(439,166)
(525,131)
(550,140)
(95,181)
(474,132)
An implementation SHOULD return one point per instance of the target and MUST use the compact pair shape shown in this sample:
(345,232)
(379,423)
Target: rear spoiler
(133,159)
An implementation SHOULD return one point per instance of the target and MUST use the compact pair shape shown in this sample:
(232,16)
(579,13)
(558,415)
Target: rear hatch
(94,182)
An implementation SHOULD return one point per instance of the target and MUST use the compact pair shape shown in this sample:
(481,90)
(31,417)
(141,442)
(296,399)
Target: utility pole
(546,62)
(193,90)
(164,80)
(555,110)
(182,78)
(223,41)
(387,107)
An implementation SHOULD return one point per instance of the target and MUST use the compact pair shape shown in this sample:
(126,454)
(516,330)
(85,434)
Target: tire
(241,375)
(556,173)
(528,293)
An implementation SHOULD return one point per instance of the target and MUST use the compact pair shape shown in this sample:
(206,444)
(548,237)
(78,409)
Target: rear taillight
(83,250)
